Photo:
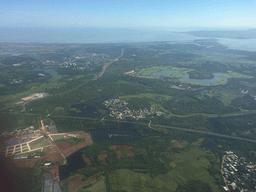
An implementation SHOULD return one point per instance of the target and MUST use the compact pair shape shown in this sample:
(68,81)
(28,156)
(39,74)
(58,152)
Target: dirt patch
(69,149)
(119,154)
(55,170)
(131,154)
(87,159)
(177,144)
(64,145)
(166,177)
(51,154)
(25,162)
(118,147)
(173,164)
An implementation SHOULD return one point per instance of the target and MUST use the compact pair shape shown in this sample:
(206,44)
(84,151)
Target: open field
(57,136)
(127,180)
(98,186)
(151,70)
(42,142)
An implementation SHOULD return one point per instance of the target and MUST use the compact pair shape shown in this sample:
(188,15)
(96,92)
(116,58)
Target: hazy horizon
(129,14)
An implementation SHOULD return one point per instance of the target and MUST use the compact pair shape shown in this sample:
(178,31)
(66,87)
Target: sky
(167,14)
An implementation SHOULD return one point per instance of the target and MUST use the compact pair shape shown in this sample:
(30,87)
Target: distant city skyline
(165,15)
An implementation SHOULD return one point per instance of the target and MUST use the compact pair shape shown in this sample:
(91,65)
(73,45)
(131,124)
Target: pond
(49,71)
(205,81)
(75,162)
(122,134)
(138,84)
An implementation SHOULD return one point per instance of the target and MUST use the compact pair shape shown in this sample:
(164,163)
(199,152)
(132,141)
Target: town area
(119,109)
(238,173)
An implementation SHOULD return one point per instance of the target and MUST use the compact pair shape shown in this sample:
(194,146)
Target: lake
(49,71)
(205,81)
(138,84)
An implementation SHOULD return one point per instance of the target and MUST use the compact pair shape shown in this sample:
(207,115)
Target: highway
(156,125)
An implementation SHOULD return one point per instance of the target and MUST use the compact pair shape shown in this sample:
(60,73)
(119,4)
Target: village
(237,173)
(120,110)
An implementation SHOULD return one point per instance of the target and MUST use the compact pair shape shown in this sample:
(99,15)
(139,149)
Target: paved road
(107,64)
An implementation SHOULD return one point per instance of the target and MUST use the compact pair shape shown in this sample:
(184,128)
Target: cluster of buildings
(132,73)
(238,173)
(15,81)
(119,109)
(94,58)
(19,132)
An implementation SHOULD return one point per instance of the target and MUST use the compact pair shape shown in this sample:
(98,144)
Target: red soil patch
(51,154)
(25,162)
(119,154)
(131,154)
(177,144)
(64,145)
(174,144)
(117,147)
(55,170)
(87,159)
(68,149)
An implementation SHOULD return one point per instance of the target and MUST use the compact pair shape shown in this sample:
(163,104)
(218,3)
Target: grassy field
(57,137)
(99,186)
(190,165)
(72,141)
(151,70)
(127,180)
(42,142)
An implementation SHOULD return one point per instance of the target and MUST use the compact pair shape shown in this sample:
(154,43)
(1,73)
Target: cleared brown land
(25,162)
(87,159)
(68,149)
(175,144)
(131,154)
(55,171)
(51,154)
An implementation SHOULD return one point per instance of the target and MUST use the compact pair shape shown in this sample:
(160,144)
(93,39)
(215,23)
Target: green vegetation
(72,141)
(57,137)
(98,186)
(42,142)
